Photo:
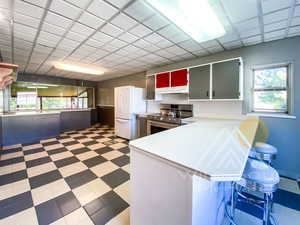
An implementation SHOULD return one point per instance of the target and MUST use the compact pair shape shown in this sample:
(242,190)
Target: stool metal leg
(233,201)
(266,216)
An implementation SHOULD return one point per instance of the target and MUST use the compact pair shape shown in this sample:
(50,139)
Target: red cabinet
(179,78)
(163,80)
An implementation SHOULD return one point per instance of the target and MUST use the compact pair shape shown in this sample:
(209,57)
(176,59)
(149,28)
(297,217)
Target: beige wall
(105,92)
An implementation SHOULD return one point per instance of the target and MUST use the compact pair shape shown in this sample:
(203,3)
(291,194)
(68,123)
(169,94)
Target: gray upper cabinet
(226,80)
(199,79)
(150,83)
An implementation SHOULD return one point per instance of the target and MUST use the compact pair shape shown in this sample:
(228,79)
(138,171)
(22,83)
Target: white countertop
(31,113)
(213,148)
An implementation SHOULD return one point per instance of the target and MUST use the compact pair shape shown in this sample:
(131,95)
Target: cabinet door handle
(214,93)
(206,93)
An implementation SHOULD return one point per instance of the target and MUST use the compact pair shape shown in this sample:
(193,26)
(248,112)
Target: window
(271,89)
(26,100)
(56,103)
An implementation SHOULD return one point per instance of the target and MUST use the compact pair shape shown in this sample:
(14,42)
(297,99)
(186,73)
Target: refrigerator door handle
(122,121)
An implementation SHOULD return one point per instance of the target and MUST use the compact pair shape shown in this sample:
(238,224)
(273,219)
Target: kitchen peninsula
(27,127)
(188,170)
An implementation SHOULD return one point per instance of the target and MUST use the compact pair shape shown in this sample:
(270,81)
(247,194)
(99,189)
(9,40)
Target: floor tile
(33,151)
(126,168)
(76,146)
(15,204)
(37,170)
(96,145)
(90,191)
(48,140)
(13,177)
(121,219)
(11,155)
(11,150)
(84,140)
(12,168)
(11,161)
(103,140)
(86,155)
(55,146)
(115,178)
(112,155)
(289,185)
(74,142)
(106,207)
(25,217)
(78,217)
(37,162)
(51,143)
(72,169)
(13,189)
(80,150)
(49,191)
(285,215)
(48,212)
(56,151)
(94,161)
(35,156)
(101,151)
(29,147)
(287,199)
(123,191)
(124,150)
(66,161)
(67,203)
(104,168)
(11,147)
(61,155)
(44,179)
(121,161)
(80,178)
(65,140)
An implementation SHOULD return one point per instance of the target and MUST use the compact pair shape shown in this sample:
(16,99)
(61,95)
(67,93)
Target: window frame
(288,89)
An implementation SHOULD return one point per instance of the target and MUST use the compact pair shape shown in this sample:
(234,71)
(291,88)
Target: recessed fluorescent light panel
(195,17)
(79,68)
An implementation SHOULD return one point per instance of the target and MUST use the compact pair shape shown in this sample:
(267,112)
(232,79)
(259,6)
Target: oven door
(155,126)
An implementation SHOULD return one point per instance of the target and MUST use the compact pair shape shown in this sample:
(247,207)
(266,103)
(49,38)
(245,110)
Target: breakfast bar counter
(180,176)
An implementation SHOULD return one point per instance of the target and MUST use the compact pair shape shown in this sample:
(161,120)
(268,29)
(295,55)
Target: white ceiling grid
(128,36)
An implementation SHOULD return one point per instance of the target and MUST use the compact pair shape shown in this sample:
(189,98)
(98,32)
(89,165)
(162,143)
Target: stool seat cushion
(261,173)
(265,148)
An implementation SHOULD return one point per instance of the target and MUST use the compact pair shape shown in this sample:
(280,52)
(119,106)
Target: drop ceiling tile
(215,49)
(180,37)
(123,21)
(129,38)
(101,53)
(229,37)
(240,10)
(57,20)
(111,30)
(42,49)
(99,36)
(25,29)
(119,3)
(23,36)
(46,42)
(210,44)
(276,16)
(151,48)
(293,30)
(60,53)
(28,9)
(274,35)
(90,20)
(27,20)
(249,33)
(139,10)
(156,22)
(94,43)
(67,43)
(297,11)
(190,45)
(102,9)
(154,38)
(130,48)
(176,50)
(140,31)
(5,4)
(79,3)
(82,29)
(65,9)
(169,31)
(276,26)
(295,21)
(75,36)
(248,24)
(233,45)
(164,44)
(294,34)
(109,47)
(273,5)
(53,29)
(5,15)
(48,36)
(118,43)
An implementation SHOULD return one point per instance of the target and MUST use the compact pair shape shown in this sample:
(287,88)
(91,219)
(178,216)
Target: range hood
(8,74)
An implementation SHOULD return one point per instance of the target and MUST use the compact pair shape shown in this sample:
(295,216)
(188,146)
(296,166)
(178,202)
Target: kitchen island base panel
(164,194)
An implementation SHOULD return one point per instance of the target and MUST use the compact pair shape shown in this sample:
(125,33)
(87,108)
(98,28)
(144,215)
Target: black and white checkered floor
(82,178)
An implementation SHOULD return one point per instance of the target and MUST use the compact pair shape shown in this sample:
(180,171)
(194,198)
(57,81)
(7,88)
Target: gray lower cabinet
(199,79)
(150,83)
(75,120)
(225,82)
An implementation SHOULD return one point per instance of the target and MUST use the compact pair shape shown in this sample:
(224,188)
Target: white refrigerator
(129,100)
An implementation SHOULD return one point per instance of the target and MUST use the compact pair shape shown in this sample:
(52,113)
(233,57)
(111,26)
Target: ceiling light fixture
(39,87)
(79,68)
(195,17)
